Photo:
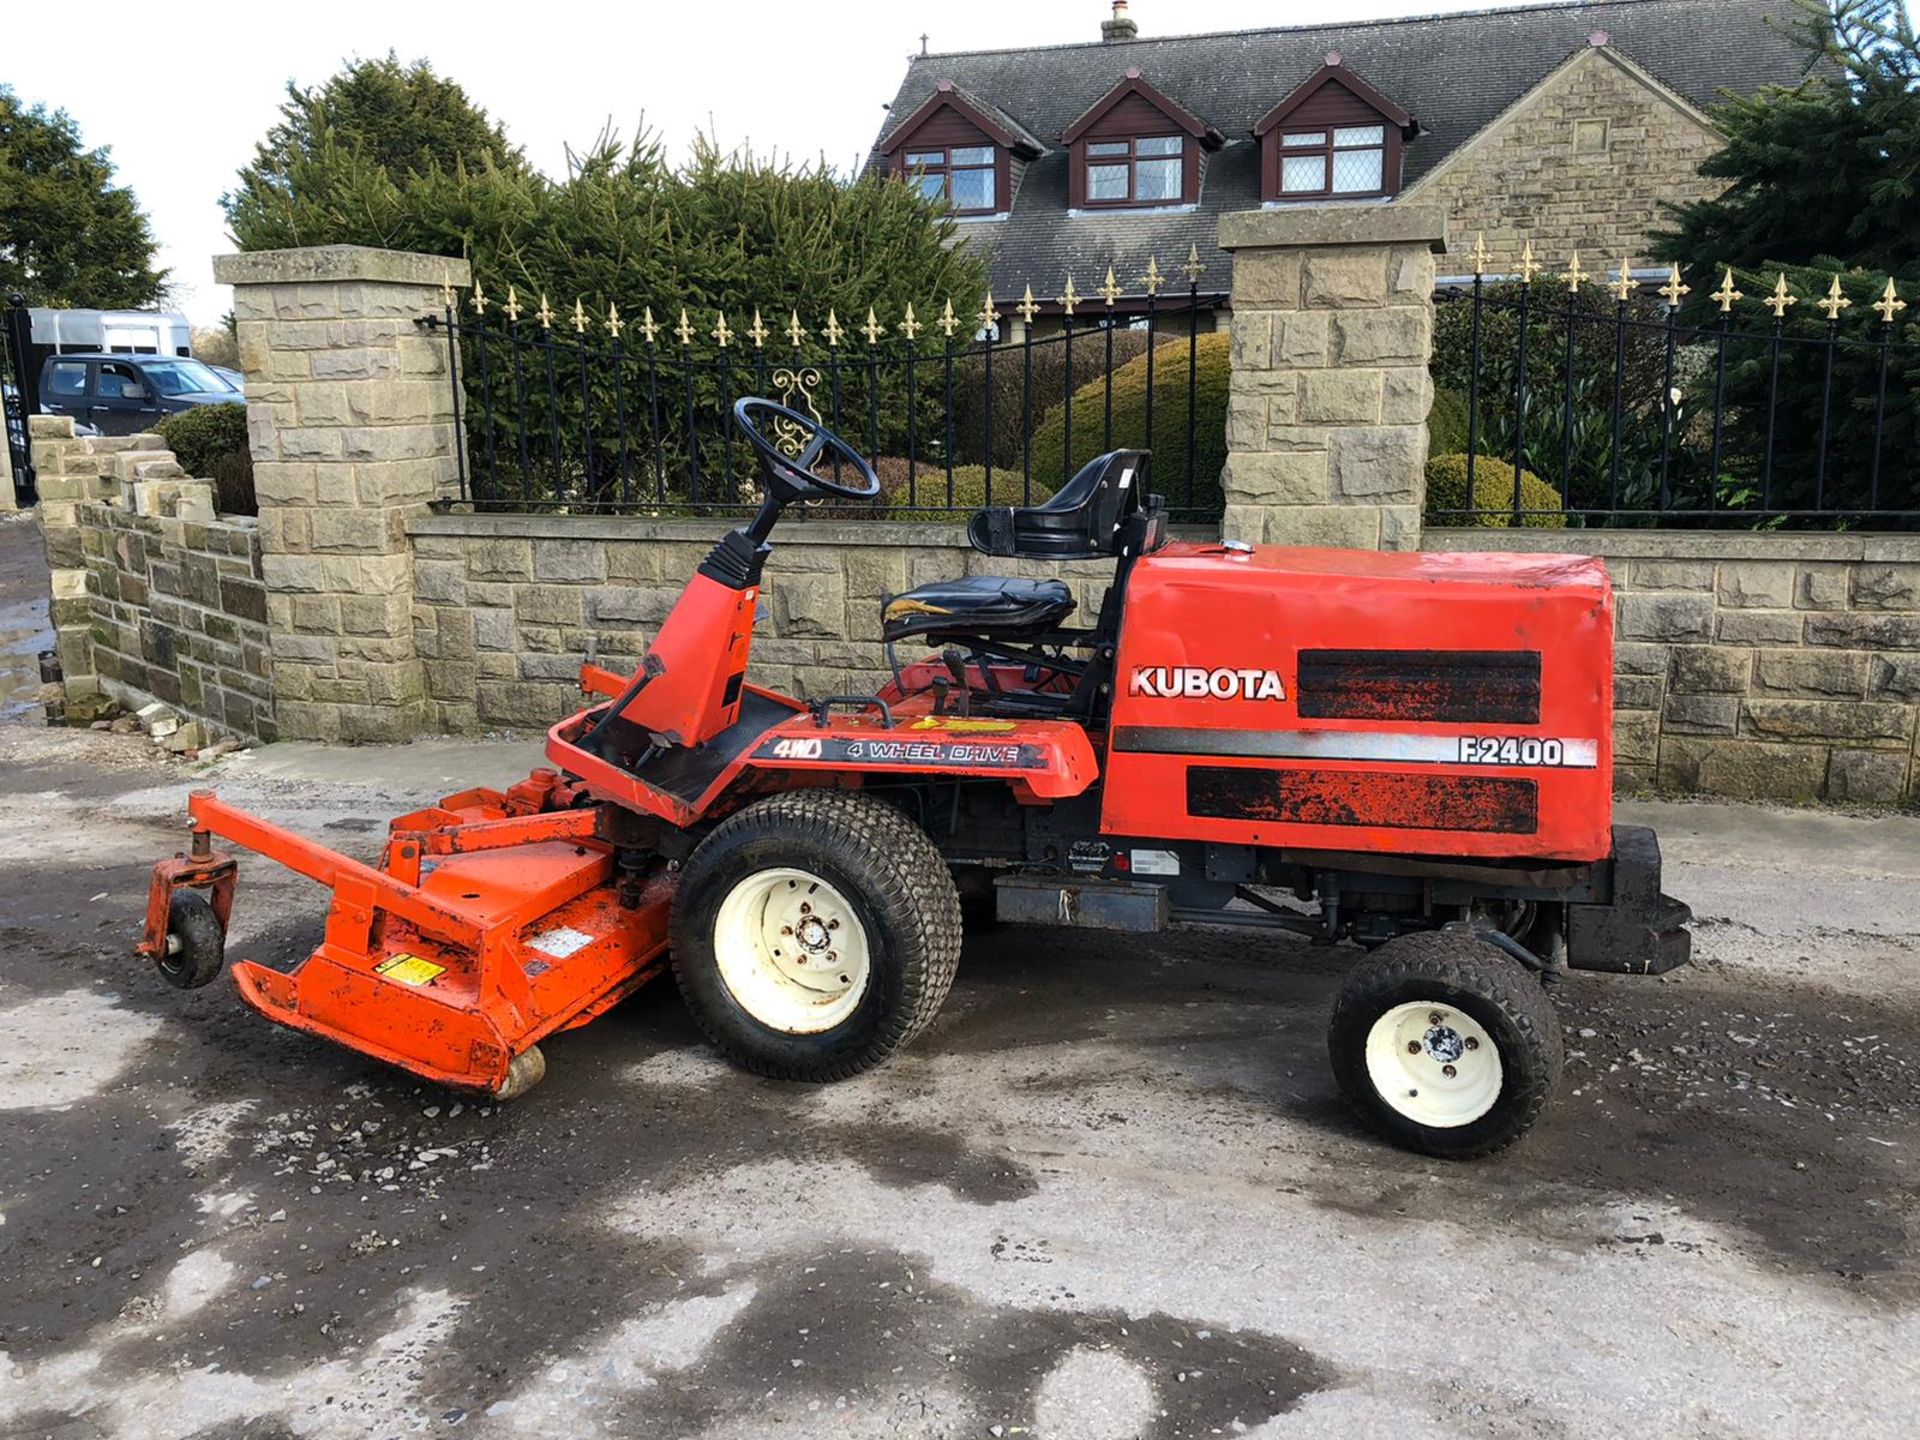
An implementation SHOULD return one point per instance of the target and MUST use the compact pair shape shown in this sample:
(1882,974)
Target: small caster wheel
(527,1070)
(196,944)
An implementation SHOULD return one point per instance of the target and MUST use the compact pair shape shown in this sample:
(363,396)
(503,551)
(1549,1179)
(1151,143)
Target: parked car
(124,394)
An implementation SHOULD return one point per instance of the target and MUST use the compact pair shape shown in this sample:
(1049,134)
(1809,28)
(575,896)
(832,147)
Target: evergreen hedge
(1492,494)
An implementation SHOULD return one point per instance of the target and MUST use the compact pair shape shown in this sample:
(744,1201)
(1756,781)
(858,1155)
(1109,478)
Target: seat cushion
(977,605)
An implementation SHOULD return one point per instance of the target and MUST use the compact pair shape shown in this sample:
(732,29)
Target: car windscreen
(182,377)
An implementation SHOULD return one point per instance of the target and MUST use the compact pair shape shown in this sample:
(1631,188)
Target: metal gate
(19,394)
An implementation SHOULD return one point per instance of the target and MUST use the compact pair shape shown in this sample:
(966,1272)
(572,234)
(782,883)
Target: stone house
(1564,124)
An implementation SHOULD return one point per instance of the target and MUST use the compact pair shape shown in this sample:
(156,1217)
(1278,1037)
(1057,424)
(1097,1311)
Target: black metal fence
(1624,403)
(18,396)
(583,412)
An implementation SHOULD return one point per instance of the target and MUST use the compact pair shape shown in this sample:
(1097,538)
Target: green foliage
(69,236)
(1447,422)
(1492,494)
(1021,401)
(927,498)
(1194,495)
(210,442)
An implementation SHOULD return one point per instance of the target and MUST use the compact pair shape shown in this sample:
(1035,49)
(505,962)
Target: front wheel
(1445,1045)
(814,933)
(196,942)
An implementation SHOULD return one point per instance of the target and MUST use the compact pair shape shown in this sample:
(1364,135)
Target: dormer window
(962,175)
(1136,147)
(1334,138)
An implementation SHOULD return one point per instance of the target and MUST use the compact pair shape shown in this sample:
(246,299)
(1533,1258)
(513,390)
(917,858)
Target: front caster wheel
(1445,1045)
(196,944)
(814,933)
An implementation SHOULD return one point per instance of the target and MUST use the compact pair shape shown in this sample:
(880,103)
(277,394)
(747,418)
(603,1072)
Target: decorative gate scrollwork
(791,381)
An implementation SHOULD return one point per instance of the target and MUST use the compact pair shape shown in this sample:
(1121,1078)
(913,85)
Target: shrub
(1050,385)
(1492,493)
(1194,496)
(210,442)
(1447,423)
(969,490)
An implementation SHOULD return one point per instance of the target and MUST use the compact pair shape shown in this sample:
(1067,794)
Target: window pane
(1107,147)
(1156,180)
(1305,137)
(1303,172)
(1356,171)
(973,189)
(1158,145)
(1106,182)
(978,155)
(931,186)
(1361,135)
(925,159)
(68,380)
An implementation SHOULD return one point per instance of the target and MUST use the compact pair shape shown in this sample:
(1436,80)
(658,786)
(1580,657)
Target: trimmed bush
(1201,498)
(1447,423)
(969,491)
(1050,384)
(210,442)
(1492,494)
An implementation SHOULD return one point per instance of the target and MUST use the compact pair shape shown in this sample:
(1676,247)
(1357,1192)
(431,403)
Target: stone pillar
(1328,401)
(350,416)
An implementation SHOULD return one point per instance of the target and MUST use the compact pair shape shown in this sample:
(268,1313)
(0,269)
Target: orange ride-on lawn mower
(1411,752)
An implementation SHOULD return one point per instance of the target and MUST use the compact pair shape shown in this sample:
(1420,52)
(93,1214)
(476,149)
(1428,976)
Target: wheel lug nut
(833,924)
(1472,1044)
(832,956)
(786,929)
(805,908)
(1433,1019)
(1413,1047)
(1448,1071)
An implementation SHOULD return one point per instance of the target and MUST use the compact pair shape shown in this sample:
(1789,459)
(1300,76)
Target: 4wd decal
(1191,682)
(933,753)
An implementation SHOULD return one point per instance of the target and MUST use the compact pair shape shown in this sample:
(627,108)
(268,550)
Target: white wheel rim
(1434,1063)
(791,951)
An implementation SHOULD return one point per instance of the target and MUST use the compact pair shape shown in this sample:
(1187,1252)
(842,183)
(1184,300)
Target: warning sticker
(409,969)
(559,942)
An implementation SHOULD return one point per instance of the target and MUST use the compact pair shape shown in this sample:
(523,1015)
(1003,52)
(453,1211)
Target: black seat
(1001,605)
(1084,521)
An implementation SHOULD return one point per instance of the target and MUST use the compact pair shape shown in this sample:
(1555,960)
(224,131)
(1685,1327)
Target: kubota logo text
(1190,682)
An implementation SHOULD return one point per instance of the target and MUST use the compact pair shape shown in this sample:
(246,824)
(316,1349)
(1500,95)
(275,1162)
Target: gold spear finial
(796,332)
(685,328)
(1889,304)
(1195,267)
(1622,286)
(545,313)
(989,317)
(447,297)
(1727,294)
(1479,255)
(909,326)
(832,329)
(721,333)
(1027,307)
(647,327)
(1152,277)
(1780,300)
(948,322)
(1110,291)
(1674,289)
(1574,274)
(1529,267)
(873,329)
(479,298)
(1069,298)
(579,317)
(1834,302)
(513,304)
(614,323)
(756,331)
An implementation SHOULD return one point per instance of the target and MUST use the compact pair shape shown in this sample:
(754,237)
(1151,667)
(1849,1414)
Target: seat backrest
(1085,520)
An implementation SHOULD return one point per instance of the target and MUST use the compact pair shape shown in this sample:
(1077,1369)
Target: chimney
(1120,27)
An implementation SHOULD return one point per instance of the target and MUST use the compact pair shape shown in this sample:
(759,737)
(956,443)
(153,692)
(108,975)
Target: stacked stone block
(350,416)
(1329,392)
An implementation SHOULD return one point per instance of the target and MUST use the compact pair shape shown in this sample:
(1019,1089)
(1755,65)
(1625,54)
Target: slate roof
(1455,73)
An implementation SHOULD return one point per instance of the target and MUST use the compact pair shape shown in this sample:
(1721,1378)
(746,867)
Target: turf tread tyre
(1498,991)
(203,942)
(891,871)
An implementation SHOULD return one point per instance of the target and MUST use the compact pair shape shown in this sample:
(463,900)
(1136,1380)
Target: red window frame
(910,172)
(1131,160)
(1326,151)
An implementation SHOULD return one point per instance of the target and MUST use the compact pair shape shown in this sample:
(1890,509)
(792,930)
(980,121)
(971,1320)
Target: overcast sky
(181,94)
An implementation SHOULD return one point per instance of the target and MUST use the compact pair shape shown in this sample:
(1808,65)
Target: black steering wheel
(791,477)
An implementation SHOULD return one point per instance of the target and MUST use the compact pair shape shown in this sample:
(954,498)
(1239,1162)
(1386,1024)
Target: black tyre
(814,933)
(196,943)
(1445,1045)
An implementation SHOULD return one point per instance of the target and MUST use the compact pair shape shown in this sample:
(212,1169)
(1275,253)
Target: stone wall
(507,606)
(154,596)
(1756,666)
(1532,173)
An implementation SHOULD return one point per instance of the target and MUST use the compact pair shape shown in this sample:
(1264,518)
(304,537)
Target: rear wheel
(1445,1045)
(196,943)
(814,933)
